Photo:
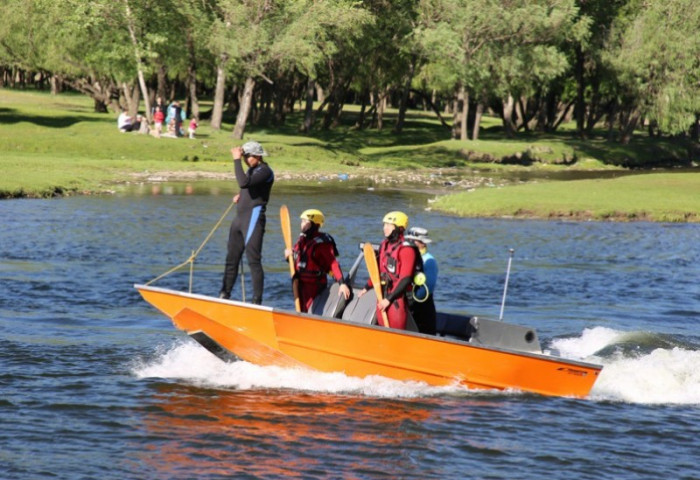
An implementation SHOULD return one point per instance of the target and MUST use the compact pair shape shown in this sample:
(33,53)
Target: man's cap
(254,149)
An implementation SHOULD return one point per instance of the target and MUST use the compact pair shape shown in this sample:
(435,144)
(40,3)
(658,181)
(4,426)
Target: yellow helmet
(313,215)
(399,219)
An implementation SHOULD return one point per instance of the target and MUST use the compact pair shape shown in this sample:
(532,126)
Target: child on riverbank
(193,127)
(158,118)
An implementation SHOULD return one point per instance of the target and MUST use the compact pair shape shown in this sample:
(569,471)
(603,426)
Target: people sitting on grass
(124,122)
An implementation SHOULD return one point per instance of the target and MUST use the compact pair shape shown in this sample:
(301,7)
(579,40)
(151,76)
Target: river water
(97,384)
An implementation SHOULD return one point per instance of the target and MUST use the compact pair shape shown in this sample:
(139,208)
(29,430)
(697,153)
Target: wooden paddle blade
(286,226)
(287,236)
(373,270)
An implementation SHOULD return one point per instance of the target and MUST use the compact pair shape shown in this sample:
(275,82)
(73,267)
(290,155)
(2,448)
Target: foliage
(657,57)
(625,62)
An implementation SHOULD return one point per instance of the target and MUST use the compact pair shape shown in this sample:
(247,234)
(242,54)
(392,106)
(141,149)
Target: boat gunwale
(450,340)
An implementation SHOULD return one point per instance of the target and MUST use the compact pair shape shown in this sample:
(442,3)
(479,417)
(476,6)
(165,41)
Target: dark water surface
(96,384)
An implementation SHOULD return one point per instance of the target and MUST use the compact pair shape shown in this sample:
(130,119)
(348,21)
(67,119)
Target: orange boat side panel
(362,351)
(269,337)
(242,345)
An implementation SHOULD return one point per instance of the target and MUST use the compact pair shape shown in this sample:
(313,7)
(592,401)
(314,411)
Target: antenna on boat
(505,285)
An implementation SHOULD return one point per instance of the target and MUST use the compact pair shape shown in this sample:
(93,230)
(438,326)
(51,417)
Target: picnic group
(167,121)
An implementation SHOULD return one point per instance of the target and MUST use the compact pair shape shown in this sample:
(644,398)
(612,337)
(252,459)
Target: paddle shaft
(287,235)
(373,269)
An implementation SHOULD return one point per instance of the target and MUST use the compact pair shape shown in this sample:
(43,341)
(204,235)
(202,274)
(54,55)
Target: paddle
(287,235)
(373,269)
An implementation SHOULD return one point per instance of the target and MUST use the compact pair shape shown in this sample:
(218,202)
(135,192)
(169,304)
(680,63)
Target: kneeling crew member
(315,255)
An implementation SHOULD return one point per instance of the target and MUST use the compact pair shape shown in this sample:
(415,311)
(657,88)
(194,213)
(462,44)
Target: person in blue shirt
(423,305)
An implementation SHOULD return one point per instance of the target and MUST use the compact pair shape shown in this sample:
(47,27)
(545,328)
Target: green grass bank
(56,145)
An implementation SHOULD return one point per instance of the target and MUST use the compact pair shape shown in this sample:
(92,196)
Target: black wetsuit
(248,227)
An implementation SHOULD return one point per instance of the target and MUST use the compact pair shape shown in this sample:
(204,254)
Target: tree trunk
(99,106)
(246,101)
(219,94)
(477,120)
(135,99)
(628,127)
(580,109)
(508,127)
(459,122)
(131,98)
(695,129)
(403,103)
(55,85)
(360,124)
(563,115)
(139,65)
(381,102)
(162,80)
(192,100)
(309,108)
(320,94)
(464,114)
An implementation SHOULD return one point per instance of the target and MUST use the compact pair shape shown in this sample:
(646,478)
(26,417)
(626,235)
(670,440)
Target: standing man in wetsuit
(315,255)
(248,227)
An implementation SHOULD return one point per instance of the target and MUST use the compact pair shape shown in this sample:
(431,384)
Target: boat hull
(267,336)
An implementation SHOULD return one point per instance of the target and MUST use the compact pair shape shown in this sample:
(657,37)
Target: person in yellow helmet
(397,264)
(315,255)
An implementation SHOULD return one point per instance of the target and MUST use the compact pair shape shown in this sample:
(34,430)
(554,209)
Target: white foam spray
(189,362)
(661,376)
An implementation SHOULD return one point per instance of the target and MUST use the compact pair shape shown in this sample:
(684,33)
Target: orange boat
(474,352)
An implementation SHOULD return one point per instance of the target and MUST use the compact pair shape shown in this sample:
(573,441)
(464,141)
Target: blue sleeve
(430,269)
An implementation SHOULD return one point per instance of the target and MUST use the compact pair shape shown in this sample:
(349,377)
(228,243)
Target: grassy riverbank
(56,145)
(665,197)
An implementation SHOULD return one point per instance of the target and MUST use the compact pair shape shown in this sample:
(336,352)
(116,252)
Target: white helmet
(418,233)
(254,149)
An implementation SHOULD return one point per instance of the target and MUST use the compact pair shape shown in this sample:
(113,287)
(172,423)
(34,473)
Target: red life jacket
(390,265)
(308,265)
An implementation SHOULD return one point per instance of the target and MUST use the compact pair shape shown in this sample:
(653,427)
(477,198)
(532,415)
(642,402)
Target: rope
(194,254)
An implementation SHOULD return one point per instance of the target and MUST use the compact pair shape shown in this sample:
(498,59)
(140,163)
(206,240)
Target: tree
(243,34)
(319,34)
(656,56)
(493,48)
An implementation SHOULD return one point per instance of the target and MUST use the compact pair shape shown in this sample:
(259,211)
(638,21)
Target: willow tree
(73,40)
(243,34)
(491,48)
(315,37)
(657,57)
(452,34)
